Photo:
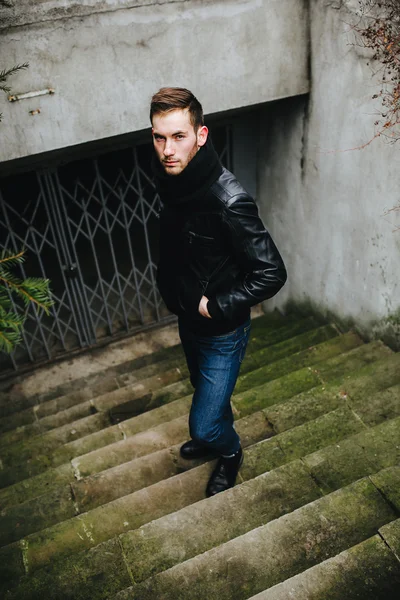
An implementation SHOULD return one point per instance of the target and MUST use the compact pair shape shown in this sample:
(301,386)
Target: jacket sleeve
(256,255)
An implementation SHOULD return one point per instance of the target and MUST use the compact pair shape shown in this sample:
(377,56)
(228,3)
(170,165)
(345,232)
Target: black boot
(224,474)
(192,449)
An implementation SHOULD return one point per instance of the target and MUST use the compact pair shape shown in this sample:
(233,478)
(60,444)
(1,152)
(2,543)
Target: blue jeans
(214,364)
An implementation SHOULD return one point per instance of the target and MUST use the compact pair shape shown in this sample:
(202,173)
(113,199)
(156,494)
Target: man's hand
(203,308)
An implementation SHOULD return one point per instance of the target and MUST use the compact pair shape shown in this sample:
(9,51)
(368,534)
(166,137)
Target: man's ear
(202,135)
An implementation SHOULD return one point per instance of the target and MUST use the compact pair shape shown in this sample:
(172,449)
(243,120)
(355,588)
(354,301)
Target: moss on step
(287,348)
(379,407)
(268,555)
(40,448)
(146,420)
(91,528)
(324,430)
(88,443)
(297,349)
(266,394)
(42,461)
(388,483)
(195,483)
(66,408)
(303,408)
(359,455)
(339,368)
(132,376)
(135,406)
(18,521)
(299,441)
(95,490)
(162,436)
(83,409)
(36,486)
(97,575)
(391,534)
(195,529)
(20,433)
(260,338)
(98,382)
(295,411)
(324,372)
(384,372)
(146,395)
(18,419)
(366,571)
(305,358)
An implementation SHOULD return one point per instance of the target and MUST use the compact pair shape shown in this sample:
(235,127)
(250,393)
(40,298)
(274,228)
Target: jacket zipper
(193,235)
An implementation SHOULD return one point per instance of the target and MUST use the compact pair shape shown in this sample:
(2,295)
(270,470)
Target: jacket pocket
(191,290)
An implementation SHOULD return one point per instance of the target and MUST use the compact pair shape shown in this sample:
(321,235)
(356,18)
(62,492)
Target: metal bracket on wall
(27,95)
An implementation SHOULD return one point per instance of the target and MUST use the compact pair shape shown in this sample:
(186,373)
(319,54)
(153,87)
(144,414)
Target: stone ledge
(28,12)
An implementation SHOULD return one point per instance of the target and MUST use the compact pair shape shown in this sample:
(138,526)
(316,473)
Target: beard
(181,164)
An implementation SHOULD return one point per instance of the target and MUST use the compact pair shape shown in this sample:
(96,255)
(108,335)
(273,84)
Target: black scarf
(195,179)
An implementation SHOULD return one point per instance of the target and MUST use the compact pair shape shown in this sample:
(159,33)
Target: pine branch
(11,258)
(11,320)
(31,290)
(5,301)
(9,278)
(9,339)
(5,74)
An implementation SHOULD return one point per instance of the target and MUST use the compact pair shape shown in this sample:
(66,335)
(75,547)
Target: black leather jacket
(217,246)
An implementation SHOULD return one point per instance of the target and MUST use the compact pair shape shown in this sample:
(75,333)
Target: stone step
(80,404)
(80,496)
(128,477)
(109,520)
(45,443)
(252,429)
(28,409)
(234,570)
(118,452)
(26,458)
(105,517)
(260,353)
(90,492)
(163,543)
(84,397)
(336,370)
(370,570)
(271,553)
(91,369)
(282,388)
(365,382)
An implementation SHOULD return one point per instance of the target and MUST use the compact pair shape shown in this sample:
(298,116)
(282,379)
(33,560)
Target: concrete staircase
(96,502)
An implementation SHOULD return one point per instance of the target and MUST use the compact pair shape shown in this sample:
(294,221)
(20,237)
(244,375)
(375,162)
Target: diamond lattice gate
(89,226)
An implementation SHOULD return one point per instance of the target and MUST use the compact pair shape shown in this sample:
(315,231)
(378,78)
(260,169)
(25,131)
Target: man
(216,261)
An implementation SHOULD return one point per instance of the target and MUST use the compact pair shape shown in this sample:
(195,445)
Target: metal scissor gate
(91,227)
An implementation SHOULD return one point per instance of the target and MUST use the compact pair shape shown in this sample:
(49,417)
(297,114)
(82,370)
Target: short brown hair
(172,98)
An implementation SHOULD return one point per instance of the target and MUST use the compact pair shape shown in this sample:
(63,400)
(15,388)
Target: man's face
(175,140)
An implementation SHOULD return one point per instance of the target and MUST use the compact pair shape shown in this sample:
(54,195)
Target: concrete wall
(105,59)
(325,205)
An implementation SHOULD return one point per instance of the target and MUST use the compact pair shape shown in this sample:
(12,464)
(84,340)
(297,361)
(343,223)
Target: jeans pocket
(226,336)
(244,342)
(242,352)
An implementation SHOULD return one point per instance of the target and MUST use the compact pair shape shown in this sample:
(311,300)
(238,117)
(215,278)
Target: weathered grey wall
(325,205)
(105,59)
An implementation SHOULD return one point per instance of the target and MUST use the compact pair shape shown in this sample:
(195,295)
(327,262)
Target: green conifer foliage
(30,290)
